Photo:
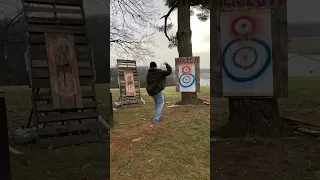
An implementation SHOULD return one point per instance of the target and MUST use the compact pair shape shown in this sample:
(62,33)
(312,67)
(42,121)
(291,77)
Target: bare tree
(182,39)
(131,28)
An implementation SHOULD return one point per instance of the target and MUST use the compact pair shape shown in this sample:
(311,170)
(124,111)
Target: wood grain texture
(125,67)
(215,62)
(63,70)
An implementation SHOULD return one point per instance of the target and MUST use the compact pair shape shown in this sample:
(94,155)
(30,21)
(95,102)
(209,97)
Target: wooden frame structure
(133,98)
(58,125)
(279,43)
(5,172)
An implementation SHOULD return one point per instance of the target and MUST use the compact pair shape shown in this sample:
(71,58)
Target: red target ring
(247,19)
(65,87)
(186,70)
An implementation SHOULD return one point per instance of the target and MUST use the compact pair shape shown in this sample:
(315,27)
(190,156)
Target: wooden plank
(40,39)
(134,69)
(70,140)
(54,21)
(215,62)
(42,97)
(55,29)
(39,52)
(5,169)
(66,117)
(44,64)
(129,83)
(57,2)
(69,128)
(45,82)
(44,72)
(63,69)
(53,10)
(49,107)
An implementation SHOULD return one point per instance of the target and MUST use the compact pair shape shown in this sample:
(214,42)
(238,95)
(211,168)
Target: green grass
(177,149)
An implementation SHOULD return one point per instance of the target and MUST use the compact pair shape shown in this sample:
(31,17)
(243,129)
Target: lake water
(204,82)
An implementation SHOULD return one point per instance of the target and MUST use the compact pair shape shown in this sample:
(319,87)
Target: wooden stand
(134,99)
(5,169)
(57,45)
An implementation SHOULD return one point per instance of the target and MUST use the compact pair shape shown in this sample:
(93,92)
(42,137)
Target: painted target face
(60,51)
(186,80)
(240,63)
(65,86)
(243,26)
(186,69)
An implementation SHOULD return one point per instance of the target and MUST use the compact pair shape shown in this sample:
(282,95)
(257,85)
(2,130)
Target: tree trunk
(184,44)
(254,117)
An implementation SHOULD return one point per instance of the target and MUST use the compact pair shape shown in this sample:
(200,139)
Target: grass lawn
(176,149)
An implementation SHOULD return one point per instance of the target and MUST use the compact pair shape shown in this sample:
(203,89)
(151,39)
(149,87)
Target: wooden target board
(61,71)
(129,83)
(187,74)
(249,51)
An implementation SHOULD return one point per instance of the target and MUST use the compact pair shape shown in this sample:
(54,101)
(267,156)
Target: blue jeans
(159,102)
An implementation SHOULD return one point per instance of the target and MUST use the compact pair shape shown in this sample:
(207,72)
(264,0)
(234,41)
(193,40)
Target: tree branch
(173,6)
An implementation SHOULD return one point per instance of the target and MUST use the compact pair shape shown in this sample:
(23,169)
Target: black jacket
(156,80)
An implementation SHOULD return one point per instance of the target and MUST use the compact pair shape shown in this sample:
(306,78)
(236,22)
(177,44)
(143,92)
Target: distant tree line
(12,63)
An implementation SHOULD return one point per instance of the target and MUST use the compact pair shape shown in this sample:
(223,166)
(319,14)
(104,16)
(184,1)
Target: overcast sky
(298,11)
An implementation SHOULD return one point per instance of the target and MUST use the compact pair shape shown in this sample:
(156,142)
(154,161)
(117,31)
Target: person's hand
(165,63)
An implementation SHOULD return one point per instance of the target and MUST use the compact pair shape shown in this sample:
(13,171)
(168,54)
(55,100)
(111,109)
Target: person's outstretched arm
(168,71)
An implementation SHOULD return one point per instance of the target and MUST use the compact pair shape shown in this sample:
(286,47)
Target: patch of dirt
(294,158)
(123,140)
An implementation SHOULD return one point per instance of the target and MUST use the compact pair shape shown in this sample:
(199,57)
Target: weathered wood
(94,126)
(39,52)
(44,72)
(55,21)
(47,96)
(40,39)
(45,82)
(67,116)
(49,107)
(53,10)
(55,29)
(215,61)
(63,68)
(111,118)
(57,2)
(5,168)
(68,140)
(83,65)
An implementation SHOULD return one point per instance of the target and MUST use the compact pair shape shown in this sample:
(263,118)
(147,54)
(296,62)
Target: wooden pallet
(128,100)
(61,116)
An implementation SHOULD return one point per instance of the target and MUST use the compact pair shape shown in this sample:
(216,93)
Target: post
(111,122)
(5,169)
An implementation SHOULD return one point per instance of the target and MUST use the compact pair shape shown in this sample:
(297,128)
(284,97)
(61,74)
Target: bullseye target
(129,83)
(243,26)
(241,65)
(65,85)
(185,69)
(186,80)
